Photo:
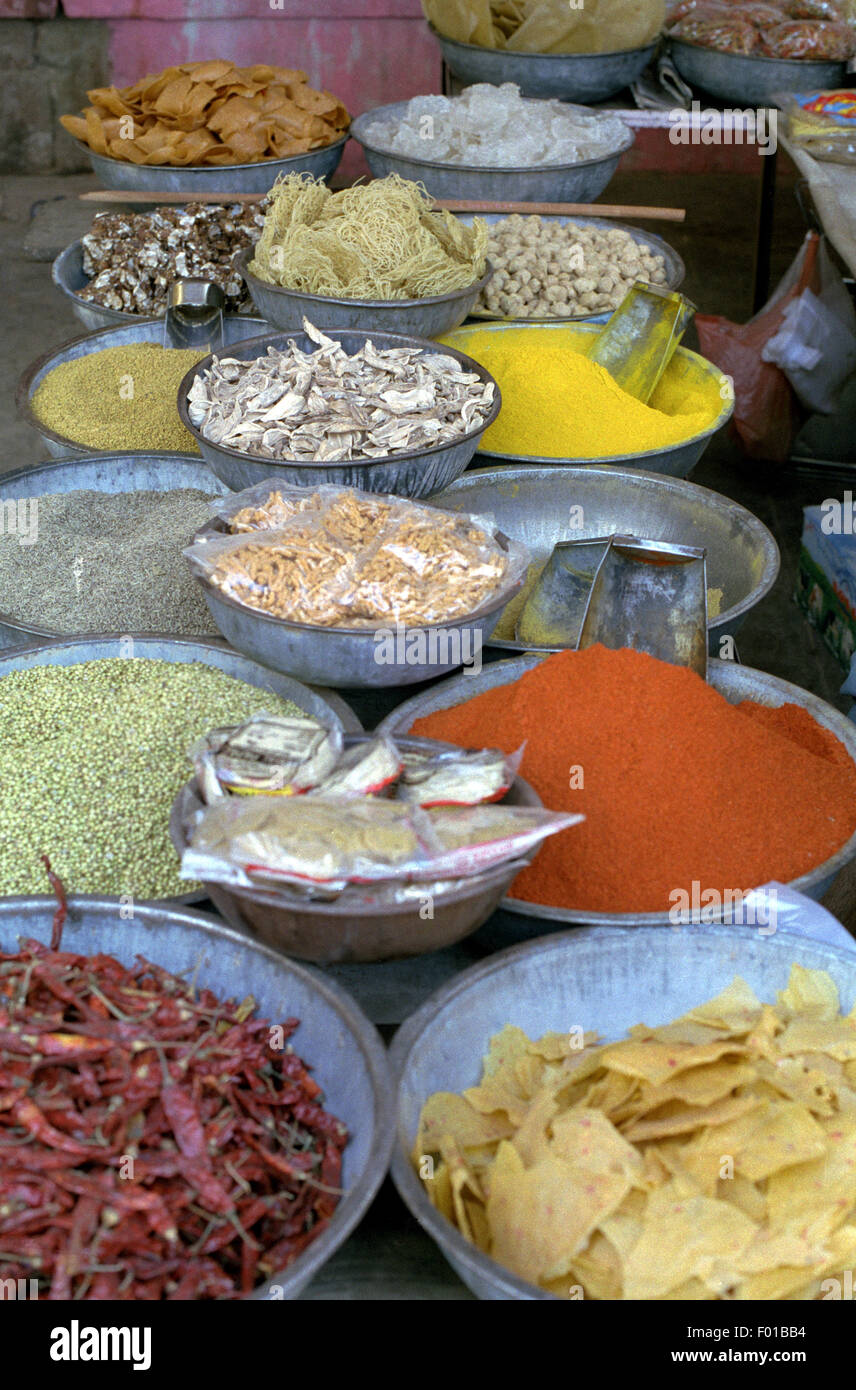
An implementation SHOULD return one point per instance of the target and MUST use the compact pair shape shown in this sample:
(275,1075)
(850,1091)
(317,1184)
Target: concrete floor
(717,243)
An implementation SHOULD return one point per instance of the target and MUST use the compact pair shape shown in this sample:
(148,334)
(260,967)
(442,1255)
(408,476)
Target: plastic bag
(766,412)
(348,559)
(548,26)
(777,907)
(822,123)
(457,778)
(717,27)
(334,843)
(816,344)
(812,39)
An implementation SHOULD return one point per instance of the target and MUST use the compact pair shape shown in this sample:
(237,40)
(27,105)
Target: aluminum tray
(236,327)
(735,682)
(70,278)
(107,473)
(675,268)
(607,981)
(407,475)
(751,81)
(335,1038)
(354,928)
(418,318)
(676,461)
(541,183)
(579,77)
(532,505)
(211,178)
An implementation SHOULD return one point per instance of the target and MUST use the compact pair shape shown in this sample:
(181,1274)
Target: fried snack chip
(713,1157)
(210,113)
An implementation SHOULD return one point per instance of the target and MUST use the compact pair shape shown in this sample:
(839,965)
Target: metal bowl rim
(514,53)
(752,523)
(359,124)
(411,1032)
(214,168)
(241,262)
(380,340)
(839,725)
(23,400)
(363,1033)
(7,620)
(725,414)
(801,63)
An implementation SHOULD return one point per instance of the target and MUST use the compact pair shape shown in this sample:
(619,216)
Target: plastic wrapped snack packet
(457,778)
(364,770)
(270,754)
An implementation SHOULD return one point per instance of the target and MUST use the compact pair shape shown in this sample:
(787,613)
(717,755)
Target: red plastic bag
(766,411)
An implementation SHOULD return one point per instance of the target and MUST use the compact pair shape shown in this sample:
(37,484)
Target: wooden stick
(118,195)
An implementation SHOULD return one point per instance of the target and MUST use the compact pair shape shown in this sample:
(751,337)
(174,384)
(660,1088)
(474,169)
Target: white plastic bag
(816,344)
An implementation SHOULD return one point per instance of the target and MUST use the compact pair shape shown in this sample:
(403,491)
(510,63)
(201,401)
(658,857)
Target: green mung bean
(91,759)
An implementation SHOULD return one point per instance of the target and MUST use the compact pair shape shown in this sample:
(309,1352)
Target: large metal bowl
(533,504)
(71,651)
(677,461)
(605,981)
(70,278)
(407,475)
(580,77)
(335,1038)
(419,318)
(354,928)
(236,327)
(733,681)
(540,183)
(258,177)
(750,80)
(107,473)
(675,268)
(349,657)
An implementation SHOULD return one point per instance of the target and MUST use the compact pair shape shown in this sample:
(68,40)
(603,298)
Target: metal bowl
(419,318)
(733,681)
(71,651)
(540,183)
(675,268)
(581,77)
(750,80)
(532,504)
(258,177)
(354,928)
(407,475)
(335,1038)
(107,473)
(70,278)
(349,657)
(606,981)
(676,461)
(236,327)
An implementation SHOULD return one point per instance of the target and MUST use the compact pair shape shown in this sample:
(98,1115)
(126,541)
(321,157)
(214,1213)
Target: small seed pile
(543,269)
(91,760)
(107,562)
(119,398)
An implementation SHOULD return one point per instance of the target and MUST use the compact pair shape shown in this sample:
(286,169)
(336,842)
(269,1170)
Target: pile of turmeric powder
(557,403)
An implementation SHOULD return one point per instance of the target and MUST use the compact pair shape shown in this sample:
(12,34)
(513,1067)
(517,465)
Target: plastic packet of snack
(815,39)
(455,777)
(268,754)
(717,27)
(822,123)
(366,769)
(333,841)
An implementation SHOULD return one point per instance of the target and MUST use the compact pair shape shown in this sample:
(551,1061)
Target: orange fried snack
(210,113)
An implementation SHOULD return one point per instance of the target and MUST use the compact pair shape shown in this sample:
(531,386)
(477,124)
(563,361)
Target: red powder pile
(678,786)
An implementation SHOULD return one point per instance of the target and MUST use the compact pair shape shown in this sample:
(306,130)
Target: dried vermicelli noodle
(379,240)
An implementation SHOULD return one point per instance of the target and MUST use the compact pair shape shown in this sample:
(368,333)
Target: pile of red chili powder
(677,784)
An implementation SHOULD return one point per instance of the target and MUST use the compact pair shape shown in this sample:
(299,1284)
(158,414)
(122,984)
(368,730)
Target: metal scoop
(194,315)
(639,341)
(651,596)
(553,613)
